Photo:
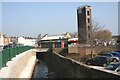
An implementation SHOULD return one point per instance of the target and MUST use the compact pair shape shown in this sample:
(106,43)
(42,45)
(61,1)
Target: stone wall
(69,68)
(82,50)
(87,50)
(72,49)
(60,50)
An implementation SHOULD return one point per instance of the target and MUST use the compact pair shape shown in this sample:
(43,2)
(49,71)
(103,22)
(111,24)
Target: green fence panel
(21,49)
(8,54)
(11,53)
(26,48)
(18,49)
(15,50)
(0,60)
(4,58)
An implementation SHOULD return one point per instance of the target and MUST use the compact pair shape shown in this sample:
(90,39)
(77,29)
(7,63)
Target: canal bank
(69,68)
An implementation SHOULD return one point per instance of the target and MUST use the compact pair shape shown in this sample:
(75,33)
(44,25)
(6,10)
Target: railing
(7,54)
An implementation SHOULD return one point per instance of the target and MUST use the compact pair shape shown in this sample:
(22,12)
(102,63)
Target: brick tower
(84,24)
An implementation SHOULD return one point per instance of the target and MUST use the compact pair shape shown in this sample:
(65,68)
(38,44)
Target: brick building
(84,24)
(84,32)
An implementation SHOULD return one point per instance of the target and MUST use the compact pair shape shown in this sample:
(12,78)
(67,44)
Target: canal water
(41,70)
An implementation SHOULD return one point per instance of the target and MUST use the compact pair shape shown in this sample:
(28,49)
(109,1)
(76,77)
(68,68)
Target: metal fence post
(0,60)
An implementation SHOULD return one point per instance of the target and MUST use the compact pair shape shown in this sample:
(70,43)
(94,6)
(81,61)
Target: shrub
(105,51)
(76,59)
(83,59)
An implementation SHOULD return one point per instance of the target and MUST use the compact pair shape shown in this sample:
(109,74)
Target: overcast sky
(33,18)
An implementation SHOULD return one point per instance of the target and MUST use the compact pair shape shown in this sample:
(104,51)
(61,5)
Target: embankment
(69,68)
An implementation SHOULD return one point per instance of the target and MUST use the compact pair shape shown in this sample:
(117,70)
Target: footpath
(21,66)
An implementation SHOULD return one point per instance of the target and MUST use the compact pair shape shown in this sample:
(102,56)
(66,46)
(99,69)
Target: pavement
(28,70)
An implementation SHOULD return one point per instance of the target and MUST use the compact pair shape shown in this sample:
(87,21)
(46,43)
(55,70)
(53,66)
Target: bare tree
(73,34)
(96,29)
(39,37)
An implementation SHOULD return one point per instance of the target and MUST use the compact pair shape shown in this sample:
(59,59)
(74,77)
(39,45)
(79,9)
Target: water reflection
(42,71)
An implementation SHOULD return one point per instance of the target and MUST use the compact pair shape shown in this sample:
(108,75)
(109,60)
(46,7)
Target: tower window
(88,35)
(88,27)
(88,13)
(88,20)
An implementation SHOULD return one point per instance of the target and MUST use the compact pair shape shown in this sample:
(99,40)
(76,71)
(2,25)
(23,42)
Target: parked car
(99,60)
(9,46)
(116,54)
(113,58)
(114,67)
(117,51)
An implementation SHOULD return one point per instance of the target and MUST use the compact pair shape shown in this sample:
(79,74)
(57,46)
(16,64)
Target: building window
(88,20)
(88,35)
(88,27)
(88,13)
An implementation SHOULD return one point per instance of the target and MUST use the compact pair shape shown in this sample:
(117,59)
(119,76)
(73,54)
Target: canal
(42,70)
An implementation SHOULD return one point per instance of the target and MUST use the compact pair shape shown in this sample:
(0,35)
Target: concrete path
(5,71)
(28,70)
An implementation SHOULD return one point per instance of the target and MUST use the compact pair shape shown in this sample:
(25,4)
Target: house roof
(52,37)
